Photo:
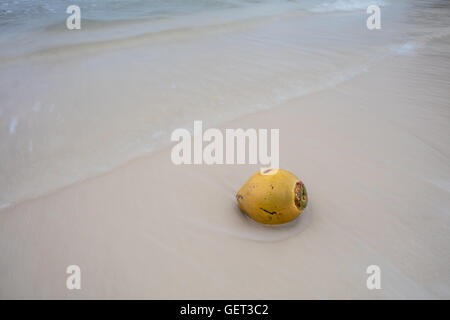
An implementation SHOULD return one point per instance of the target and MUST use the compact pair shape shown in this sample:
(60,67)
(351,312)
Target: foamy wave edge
(346,5)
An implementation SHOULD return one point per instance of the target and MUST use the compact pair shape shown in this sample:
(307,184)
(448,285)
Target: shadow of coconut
(255,231)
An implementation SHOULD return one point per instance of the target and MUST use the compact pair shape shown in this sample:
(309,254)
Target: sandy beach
(373,150)
(150,229)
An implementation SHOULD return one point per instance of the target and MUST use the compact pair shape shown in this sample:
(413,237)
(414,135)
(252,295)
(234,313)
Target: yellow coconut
(273,198)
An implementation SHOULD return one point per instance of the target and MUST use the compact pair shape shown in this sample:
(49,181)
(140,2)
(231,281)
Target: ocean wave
(406,48)
(346,5)
(41,13)
(219,71)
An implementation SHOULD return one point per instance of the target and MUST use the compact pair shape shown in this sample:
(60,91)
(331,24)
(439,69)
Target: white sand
(373,153)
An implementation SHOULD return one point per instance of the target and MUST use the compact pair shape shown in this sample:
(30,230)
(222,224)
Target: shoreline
(71,115)
(168,145)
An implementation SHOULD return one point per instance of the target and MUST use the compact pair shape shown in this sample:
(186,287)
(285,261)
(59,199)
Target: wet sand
(372,151)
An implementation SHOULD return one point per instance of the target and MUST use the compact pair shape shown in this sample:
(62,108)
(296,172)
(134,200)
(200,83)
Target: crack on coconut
(274,212)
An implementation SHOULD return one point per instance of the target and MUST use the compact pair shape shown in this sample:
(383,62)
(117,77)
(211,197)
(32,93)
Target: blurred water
(22,21)
(39,13)
(77,103)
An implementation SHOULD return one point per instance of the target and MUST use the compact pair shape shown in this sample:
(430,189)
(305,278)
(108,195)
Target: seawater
(74,104)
